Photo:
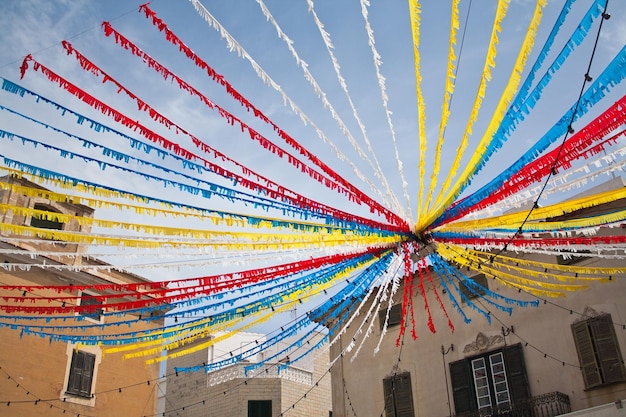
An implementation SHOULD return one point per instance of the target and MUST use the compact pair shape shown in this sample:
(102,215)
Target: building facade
(276,387)
(43,376)
(562,355)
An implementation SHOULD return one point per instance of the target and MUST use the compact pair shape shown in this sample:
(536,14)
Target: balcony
(269,370)
(546,405)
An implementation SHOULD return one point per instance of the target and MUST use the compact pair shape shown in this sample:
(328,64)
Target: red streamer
(577,146)
(278,193)
(158,295)
(441,305)
(219,79)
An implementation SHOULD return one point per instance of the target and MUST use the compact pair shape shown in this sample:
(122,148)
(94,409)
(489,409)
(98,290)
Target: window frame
(96,316)
(598,351)
(81,375)
(40,223)
(259,408)
(395,316)
(463,384)
(472,291)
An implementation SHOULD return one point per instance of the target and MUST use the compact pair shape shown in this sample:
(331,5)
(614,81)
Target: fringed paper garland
(276,192)
(335,182)
(514,116)
(489,64)
(575,147)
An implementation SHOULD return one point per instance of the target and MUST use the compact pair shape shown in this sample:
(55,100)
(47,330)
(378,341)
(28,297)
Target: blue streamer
(521,106)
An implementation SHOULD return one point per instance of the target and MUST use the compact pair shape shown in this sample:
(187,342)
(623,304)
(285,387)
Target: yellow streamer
(505,99)
(578,272)
(414,12)
(445,108)
(230,219)
(541,213)
(172,342)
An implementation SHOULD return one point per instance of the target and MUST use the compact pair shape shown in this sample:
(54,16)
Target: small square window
(395,316)
(93,309)
(474,287)
(260,408)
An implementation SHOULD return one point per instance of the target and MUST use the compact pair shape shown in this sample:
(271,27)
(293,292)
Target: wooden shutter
(388,392)
(517,378)
(81,374)
(607,349)
(87,376)
(404,395)
(398,395)
(462,387)
(586,355)
(395,316)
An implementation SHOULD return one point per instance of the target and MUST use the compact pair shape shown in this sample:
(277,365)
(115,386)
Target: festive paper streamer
(414,14)
(213,188)
(611,76)
(573,148)
(543,269)
(437,263)
(354,288)
(233,45)
(321,94)
(483,150)
(543,213)
(513,116)
(327,236)
(437,296)
(608,163)
(277,193)
(200,286)
(447,96)
(335,182)
(383,91)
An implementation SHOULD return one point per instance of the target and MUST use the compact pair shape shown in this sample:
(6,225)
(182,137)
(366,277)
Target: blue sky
(38,27)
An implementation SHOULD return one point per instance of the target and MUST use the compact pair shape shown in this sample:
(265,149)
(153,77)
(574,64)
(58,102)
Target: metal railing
(546,405)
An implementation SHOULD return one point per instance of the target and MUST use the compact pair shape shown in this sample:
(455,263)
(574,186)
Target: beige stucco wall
(41,369)
(35,368)
(546,329)
(230,398)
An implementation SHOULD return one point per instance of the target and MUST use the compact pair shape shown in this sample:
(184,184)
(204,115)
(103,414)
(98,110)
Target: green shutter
(398,395)
(586,355)
(516,373)
(607,349)
(517,378)
(81,373)
(404,395)
(87,375)
(388,392)
(462,387)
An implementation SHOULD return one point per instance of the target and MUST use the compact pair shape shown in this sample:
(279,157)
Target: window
(45,223)
(598,351)
(474,287)
(398,395)
(491,381)
(81,374)
(95,311)
(395,316)
(260,408)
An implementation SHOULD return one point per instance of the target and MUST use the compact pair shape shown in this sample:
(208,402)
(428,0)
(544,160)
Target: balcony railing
(546,405)
(270,370)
